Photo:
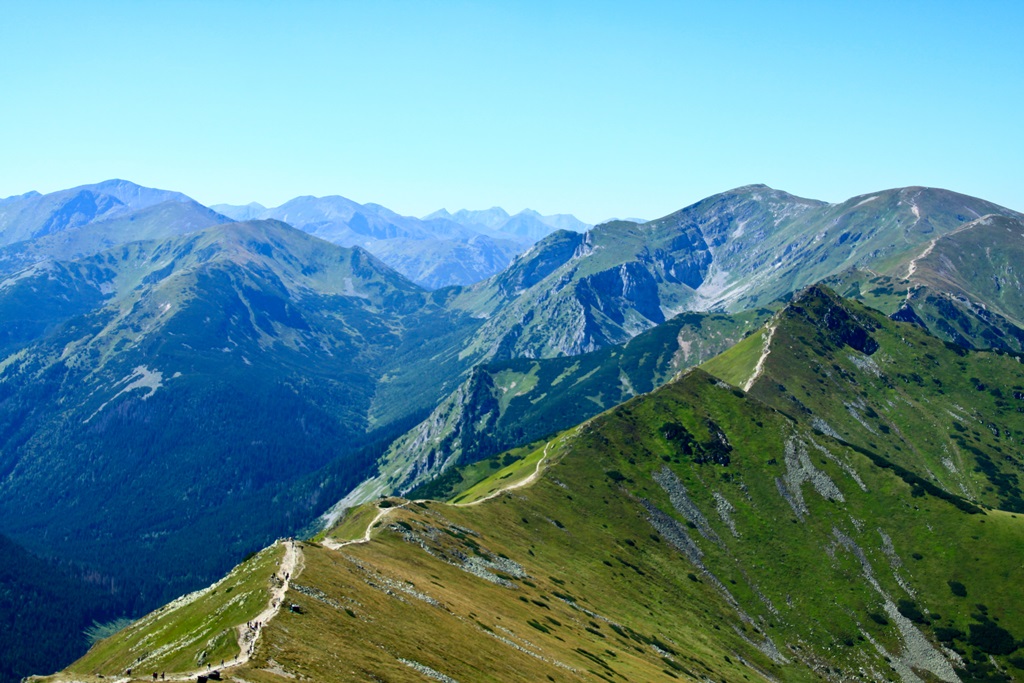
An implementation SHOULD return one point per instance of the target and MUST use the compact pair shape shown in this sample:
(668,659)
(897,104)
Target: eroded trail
(381,513)
(249,633)
(759,367)
(912,266)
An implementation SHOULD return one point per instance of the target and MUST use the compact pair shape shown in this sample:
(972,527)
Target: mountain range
(572,296)
(247,366)
(435,251)
(177,390)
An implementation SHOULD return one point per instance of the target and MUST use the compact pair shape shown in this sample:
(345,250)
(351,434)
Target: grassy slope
(737,366)
(593,573)
(511,403)
(192,631)
(950,416)
(581,533)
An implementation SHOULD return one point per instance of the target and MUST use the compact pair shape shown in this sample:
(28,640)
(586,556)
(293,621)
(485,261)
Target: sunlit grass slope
(700,533)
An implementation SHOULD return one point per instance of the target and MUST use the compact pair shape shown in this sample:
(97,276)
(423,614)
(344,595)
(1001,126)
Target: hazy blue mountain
(245,212)
(527,225)
(13,198)
(491,218)
(442,262)
(34,215)
(433,252)
(156,221)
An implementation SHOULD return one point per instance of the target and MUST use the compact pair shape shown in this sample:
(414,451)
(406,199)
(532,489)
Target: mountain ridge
(696,532)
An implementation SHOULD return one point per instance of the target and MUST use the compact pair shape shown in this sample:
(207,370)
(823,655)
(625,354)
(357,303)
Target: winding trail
(519,484)
(759,367)
(383,512)
(291,564)
(912,267)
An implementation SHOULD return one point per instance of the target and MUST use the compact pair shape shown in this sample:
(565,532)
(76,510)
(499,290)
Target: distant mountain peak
(440,213)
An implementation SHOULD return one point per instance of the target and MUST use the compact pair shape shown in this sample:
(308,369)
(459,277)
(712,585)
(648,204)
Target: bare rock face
(540,262)
(616,291)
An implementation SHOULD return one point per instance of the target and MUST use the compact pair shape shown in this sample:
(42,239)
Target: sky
(598,109)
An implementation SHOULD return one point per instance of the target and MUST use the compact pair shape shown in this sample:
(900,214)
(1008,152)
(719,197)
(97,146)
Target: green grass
(352,525)
(602,585)
(187,637)
(605,569)
(504,477)
(737,366)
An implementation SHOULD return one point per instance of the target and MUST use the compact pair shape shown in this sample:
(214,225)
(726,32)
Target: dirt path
(519,484)
(383,512)
(912,267)
(759,367)
(249,634)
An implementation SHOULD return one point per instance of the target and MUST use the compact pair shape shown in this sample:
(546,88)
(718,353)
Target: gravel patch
(917,653)
(680,499)
(799,470)
(427,671)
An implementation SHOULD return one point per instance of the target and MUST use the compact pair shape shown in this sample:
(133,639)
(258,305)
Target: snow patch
(865,201)
(140,378)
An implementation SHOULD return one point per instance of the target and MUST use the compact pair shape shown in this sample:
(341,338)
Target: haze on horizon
(594,109)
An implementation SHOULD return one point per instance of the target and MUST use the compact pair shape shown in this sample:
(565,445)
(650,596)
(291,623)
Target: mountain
(962,286)
(922,405)
(158,221)
(733,251)
(33,215)
(245,212)
(521,393)
(82,221)
(491,218)
(527,226)
(169,405)
(806,529)
(506,404)
(17,197)
(165,390)
(437,263)
(433,252)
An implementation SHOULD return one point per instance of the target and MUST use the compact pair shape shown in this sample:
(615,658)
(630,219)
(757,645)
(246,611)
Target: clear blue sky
(599,109)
